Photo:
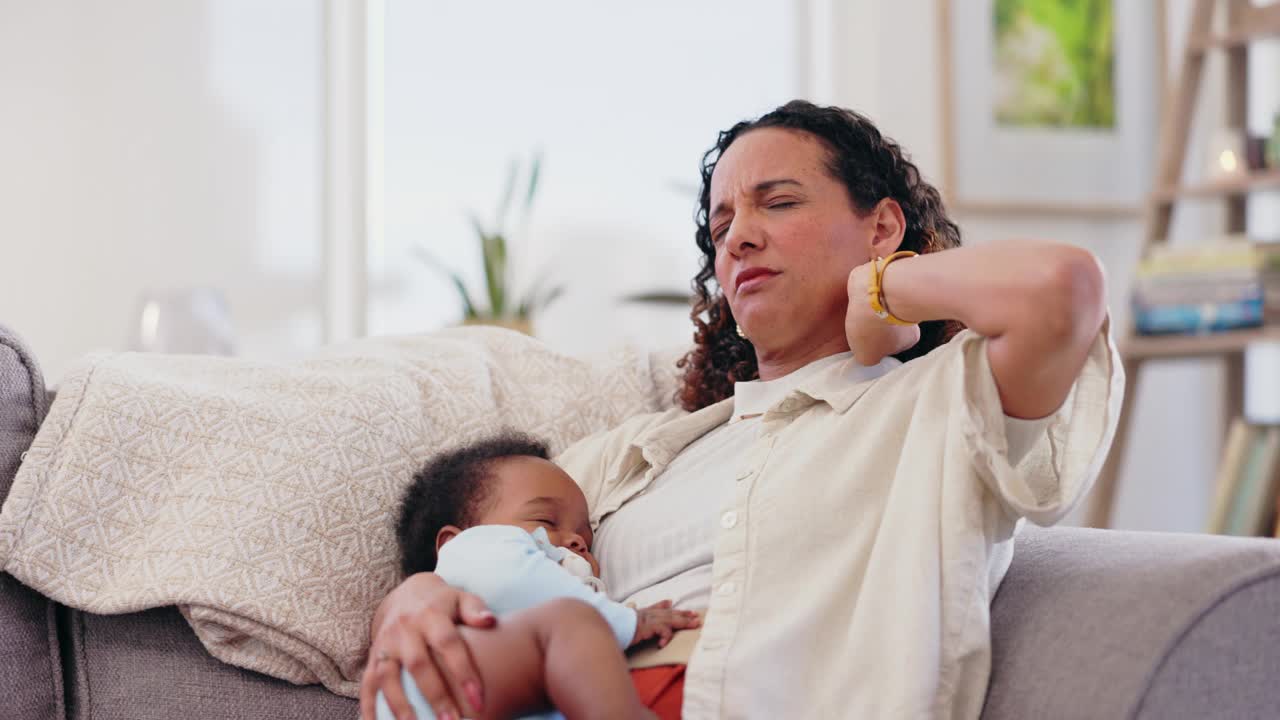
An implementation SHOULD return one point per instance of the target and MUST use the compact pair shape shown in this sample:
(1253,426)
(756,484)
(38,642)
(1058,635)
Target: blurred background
(260,177)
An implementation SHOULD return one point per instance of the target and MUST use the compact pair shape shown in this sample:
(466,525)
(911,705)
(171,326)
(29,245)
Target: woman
(843,518)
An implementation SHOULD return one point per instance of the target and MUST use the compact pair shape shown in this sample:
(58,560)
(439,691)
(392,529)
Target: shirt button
(728,520)
(727,588)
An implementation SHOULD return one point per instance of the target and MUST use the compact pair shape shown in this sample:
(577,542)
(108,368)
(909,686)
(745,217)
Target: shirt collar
(757,396)
(835,379)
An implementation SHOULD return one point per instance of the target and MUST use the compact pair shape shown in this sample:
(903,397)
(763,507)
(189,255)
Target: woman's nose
(742,234)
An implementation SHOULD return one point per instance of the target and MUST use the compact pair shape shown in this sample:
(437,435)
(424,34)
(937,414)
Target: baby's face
(533,493)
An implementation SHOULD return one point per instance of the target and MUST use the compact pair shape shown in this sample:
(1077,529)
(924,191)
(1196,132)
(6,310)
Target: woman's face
(786,236)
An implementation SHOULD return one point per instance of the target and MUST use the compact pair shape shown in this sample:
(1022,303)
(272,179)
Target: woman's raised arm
(1041,304)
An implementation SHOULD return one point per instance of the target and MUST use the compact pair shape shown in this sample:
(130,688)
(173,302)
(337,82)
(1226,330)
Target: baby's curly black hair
(451,489)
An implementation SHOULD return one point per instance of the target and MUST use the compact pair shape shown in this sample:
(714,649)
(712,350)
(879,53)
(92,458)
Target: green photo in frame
(1054,63)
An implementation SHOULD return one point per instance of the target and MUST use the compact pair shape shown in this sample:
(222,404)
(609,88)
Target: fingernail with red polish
(472,689)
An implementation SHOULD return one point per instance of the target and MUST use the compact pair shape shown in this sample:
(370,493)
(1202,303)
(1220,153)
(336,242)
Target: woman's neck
(776,363)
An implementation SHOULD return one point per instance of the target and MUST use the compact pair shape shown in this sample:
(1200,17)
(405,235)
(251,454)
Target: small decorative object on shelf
(1227,155)
(504,305)
(1225,285)
(189,321)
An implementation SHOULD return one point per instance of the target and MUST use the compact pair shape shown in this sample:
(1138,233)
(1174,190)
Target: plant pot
(520,325)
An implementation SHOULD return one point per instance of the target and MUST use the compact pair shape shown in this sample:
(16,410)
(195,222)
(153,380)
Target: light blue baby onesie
(512,570)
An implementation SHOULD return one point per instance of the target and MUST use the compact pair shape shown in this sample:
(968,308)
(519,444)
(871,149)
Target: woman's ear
(447,533)
(889,227)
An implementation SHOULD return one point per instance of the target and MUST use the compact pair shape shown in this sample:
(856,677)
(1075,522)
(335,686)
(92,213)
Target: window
(621,100)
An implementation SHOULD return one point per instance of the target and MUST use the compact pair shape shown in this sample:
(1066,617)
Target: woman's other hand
(660,621)
(872,338)
(415,628)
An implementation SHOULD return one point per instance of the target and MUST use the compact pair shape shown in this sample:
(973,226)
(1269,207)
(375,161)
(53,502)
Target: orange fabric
(661,689)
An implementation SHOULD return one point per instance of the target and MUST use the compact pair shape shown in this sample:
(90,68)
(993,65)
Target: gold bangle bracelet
(875,291)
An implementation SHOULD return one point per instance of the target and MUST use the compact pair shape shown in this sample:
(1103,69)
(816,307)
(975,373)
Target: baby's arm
(503,565)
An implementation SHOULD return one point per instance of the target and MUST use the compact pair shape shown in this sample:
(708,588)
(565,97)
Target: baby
(499,519)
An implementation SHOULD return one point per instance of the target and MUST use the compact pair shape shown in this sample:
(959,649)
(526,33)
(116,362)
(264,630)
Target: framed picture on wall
(1050,105)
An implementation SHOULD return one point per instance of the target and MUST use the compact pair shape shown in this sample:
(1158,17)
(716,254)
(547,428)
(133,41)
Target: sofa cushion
(30,673)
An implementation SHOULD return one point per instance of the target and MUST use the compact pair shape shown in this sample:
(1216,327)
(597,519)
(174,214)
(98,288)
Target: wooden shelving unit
(1140,347)
(1232,39)
(1244,24)
(1268,180)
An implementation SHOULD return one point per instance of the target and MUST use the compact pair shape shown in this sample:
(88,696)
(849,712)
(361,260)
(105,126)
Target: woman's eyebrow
(767,185)
(760,188)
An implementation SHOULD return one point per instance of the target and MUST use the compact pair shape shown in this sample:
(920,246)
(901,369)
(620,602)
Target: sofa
(1087,624)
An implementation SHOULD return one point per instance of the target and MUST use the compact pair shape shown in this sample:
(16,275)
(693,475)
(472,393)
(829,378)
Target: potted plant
(501,304)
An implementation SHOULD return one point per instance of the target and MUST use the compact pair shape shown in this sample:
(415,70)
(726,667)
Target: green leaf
(534,303)
(468,307)
(660,298)
(551,296)
(492,278)
(478,226)
(502,272)
(535,172)
(513,171)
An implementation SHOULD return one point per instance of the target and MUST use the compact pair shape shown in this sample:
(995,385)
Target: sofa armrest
(1103,623)
(23,403)
(30,661)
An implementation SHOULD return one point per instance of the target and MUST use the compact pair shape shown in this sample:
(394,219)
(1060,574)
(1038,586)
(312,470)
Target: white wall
(158,144)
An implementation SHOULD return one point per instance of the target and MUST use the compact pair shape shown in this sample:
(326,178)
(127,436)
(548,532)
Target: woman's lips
(754,280)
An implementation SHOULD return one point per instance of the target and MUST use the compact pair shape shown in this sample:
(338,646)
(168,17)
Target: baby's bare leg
(559,654)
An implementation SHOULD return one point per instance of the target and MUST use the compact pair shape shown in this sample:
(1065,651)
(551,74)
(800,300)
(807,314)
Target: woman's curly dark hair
(452,489)
(872,167)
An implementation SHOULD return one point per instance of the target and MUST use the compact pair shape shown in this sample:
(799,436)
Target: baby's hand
(660,621)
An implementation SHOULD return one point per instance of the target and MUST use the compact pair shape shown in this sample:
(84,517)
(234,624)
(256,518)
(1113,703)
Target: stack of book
(1245,493)
(1224,285)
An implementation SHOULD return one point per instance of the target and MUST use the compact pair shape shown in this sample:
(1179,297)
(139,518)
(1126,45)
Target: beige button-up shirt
(872,524)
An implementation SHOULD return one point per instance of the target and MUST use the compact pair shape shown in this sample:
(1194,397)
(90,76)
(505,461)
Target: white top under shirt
(659,546)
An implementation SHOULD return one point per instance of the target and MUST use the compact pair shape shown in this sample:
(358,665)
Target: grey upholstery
(1108,624)
(30,676)
(150,666)
(22,404)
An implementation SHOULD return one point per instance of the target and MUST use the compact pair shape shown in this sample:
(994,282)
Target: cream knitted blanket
(261,498)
